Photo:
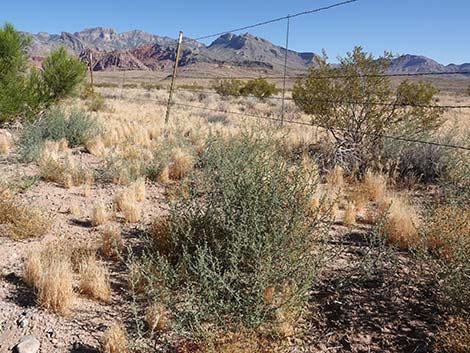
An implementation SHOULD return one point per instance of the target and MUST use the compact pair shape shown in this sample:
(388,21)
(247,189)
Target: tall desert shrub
(240,225)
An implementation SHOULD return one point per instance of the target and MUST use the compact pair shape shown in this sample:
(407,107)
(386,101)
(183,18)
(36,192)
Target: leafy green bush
(348,100)
(62,74)
(77,127)
(26,92)
(227,88)
(13,60)
(240,248)
(260,88)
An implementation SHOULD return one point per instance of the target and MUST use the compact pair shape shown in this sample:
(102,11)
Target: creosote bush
(240,225)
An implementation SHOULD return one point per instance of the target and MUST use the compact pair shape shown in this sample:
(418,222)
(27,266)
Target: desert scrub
(240,225)
(447,237)
(76,127)
(20,221)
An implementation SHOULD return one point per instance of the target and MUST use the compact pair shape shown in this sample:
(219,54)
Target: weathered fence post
(173,79)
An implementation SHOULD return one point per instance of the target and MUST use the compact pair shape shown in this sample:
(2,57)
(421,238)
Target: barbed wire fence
(284,77)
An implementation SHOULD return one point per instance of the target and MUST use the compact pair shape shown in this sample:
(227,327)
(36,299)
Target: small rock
(27,344)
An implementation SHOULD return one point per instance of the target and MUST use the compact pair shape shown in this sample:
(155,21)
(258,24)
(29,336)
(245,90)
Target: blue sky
(435,28)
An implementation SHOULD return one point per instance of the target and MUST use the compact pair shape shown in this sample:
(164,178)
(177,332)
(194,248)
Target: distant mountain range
(138,50)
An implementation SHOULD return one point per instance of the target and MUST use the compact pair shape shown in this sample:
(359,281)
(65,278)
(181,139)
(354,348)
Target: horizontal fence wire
(301,123)
(320,77)
(274,20)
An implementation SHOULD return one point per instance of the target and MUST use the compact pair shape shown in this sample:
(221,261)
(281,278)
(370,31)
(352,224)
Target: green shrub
(13,65)
(25,92)
(62,74)
(333,96)
(77,127)
(240,248)
(227,88)
(260,88)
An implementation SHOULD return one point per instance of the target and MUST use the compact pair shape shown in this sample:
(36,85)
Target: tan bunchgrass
(6,142)
(401,221)
(181,164)
(58,165)
(164,176)
(132,211)
(94,280)
(139,190)
(157,318)
(114,339)
(374,186)
(349,218)
(335,178)
(111,242)
(86,192)
(49,272)
(100,214)
(96,147)
(20,221)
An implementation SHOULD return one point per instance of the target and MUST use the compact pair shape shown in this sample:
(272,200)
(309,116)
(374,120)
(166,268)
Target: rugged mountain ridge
(138,50)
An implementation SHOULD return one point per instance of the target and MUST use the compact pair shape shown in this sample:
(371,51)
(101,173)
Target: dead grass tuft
(401,222)
(111,242)
(181,164)
(6,142)
(99,215)
(350,214)
(374,186)
(335,179)
(114,339)
(20,221)
(94,280)
(49,272)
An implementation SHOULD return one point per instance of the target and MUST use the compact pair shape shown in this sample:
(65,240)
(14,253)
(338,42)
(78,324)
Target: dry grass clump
(99,215)
(454,337)
(127,201)
(157,318)
(401,221)
(49,272)
(20,221)
(448,228)
(57,164)
(181,164)
(111,242)
(139,190)
(94,280)
(96,147)
(374,186)
(6,142)
(114,339)
(349,214)
(335,178)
